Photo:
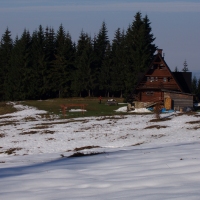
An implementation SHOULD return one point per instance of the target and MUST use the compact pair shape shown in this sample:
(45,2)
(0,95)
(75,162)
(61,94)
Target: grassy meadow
(6,108)
(53,106)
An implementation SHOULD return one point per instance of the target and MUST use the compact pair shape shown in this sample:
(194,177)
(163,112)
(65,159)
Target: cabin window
(164,79)
(156,79)
(149,93)
(151,79)
(162,67)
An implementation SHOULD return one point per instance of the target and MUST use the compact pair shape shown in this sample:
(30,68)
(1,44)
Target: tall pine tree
(6,46)
(101,43)
(83,83)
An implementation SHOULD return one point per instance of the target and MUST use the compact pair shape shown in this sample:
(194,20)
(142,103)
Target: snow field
(139,159)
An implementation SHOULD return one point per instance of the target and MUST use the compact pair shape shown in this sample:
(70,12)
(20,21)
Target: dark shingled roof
(184,80)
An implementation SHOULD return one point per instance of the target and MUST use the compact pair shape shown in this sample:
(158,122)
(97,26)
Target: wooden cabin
(159,84)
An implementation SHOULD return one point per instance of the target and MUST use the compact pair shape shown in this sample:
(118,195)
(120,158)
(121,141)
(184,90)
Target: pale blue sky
(175,24)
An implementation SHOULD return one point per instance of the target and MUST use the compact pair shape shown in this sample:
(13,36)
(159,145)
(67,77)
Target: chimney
(159,51)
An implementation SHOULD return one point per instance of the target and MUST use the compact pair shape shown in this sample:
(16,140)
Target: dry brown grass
(47,132)
(40,127)
(155,126)
(112,117)
(80,154)
(48,139)
(29,133)
(5,117)
(157,136)
(193,122)
(7,123)
(29,119)
(137,144)
(65,122)
(124,137)
(6,108)
(2,135)
(194,128)
(160,119)
(86,147)
(12,150)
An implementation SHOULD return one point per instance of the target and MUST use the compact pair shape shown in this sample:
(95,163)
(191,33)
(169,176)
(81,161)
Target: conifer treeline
(46,64)
(196,88)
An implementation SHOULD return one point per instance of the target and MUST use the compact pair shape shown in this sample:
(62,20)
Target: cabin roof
(182,79)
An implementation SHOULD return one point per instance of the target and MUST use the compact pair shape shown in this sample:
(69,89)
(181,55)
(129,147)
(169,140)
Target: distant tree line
(48,64)
(196,87)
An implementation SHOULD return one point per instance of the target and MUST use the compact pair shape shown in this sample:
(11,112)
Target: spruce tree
(20,70)
(119,63)
(83,83)
(185,68)
(140,48)
(39,63)
(198,89)
(176,69)
(6,46)
(62,66)
(194,85)
(105,73)
(101,43)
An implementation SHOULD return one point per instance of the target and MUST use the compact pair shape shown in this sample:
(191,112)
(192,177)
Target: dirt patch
(29,133)
(40,127)
(45,116)
(112,117)
(65,122)
(48,139)
(2,135)
(7,123)
(29,119)
(12,150)
(124,137)
(83,129)
(47,132)
(194,128)
(6,117)
(80,154)
(193,122)
(155,126)
(157,136)
(86,147)
(137,144)
(160,120)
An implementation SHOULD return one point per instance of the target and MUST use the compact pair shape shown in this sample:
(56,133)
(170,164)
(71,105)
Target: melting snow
(141,158)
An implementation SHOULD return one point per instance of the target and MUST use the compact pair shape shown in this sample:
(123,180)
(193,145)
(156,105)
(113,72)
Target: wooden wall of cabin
(179,101)
(151,96)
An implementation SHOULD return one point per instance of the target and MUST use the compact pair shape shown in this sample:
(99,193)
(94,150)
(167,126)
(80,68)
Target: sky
(135,157)
(175,24)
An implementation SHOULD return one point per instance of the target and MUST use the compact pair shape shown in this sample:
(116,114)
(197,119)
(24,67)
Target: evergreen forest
(48,64)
